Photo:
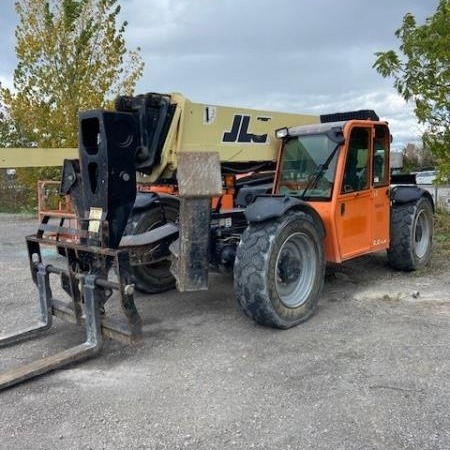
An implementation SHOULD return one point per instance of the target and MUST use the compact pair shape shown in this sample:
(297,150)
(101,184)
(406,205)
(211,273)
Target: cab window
(308,167)
(380,156)
(356,174)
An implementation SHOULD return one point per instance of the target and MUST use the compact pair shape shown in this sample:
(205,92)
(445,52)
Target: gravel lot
(371,370)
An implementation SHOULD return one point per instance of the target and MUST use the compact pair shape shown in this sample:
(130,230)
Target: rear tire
(411,235)
(152,278)
(279,270)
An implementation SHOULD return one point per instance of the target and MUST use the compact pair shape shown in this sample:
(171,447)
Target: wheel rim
(421,234)
(295,270)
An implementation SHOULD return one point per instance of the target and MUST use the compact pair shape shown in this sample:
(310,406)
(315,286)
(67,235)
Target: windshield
(304,170)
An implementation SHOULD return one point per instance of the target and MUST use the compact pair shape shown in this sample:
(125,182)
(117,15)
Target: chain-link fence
(13,197)
(441,195)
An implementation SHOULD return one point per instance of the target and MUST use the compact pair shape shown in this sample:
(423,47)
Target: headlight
(281,133)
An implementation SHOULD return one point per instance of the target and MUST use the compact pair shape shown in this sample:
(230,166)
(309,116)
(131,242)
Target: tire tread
(249,277)
(401,251)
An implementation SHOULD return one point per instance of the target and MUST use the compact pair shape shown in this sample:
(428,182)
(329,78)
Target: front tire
(411,235)
(279,270)
(156,277)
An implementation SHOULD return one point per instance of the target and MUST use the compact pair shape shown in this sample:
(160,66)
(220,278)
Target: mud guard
(145,200)
(272,207)
(401,195)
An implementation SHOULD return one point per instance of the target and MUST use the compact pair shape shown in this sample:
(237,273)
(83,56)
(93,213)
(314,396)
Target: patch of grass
(442,234)
(391,298)
(440,259)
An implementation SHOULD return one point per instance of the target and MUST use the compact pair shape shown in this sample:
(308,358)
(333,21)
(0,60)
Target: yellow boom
(35,157)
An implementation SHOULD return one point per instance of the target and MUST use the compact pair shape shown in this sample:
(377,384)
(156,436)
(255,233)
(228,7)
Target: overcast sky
(285,55)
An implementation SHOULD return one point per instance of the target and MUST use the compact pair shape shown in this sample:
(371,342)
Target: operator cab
(342,170)
(308,159)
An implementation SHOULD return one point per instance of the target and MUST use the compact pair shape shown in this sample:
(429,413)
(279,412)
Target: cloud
(285,55)
(7,42)
(6,82)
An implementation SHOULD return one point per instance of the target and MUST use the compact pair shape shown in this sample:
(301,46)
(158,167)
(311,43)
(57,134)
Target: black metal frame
(85,279)
(102,186)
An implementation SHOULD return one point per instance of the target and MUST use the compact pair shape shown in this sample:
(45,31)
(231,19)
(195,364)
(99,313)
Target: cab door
(363,204)
(380,179)
(354,201)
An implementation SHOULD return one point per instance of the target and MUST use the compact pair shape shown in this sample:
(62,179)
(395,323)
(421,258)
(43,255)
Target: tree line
(72,56)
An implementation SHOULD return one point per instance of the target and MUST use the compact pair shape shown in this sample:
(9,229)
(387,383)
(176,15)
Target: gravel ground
(371,370)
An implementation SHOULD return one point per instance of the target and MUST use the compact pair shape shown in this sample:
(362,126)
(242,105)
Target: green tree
(421,73)
(71,56)
(10,134)
(416,158)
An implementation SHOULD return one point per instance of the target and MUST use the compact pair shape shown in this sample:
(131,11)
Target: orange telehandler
(269,196)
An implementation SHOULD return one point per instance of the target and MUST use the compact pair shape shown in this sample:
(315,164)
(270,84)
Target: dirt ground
(371,370)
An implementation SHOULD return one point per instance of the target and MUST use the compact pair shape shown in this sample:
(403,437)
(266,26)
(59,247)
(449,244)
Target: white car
(426,177)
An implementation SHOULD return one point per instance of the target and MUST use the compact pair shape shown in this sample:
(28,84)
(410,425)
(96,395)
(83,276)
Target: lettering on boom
(239,131)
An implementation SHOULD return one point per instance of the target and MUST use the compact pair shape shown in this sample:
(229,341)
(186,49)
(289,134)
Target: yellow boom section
(237,134)
(35,157)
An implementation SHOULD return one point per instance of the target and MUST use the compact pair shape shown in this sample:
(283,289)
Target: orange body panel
(226,200)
